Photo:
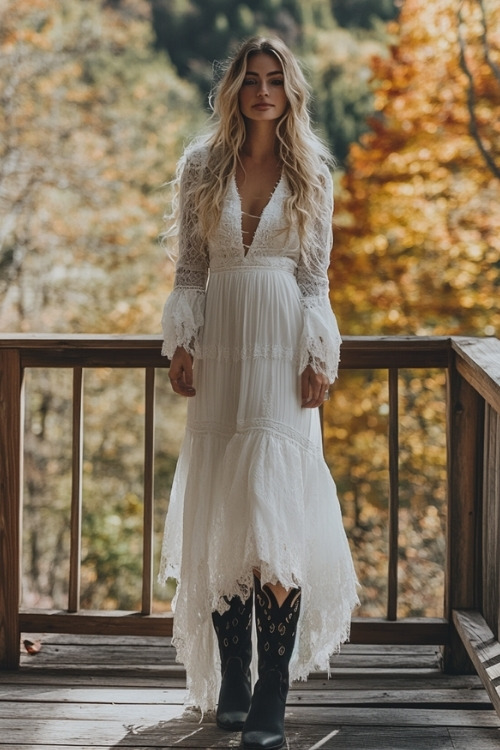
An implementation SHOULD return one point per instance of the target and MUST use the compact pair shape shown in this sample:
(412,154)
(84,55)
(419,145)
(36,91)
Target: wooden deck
(107,692)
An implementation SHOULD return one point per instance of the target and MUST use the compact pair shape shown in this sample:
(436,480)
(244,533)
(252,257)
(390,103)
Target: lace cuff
(182,320)
(320,340)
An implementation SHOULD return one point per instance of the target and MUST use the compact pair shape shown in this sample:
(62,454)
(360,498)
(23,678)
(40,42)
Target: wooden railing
(472,575)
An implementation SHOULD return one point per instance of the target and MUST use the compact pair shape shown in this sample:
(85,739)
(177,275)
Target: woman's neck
(260,142)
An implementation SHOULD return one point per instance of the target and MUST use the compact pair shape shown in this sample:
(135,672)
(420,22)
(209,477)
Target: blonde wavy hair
(302,153)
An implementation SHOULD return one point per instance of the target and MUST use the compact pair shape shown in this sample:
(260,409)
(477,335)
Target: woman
(253,504)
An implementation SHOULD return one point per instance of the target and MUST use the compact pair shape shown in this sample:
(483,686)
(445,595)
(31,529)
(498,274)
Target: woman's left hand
(314,388)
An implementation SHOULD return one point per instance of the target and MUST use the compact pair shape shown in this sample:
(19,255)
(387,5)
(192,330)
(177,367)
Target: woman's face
(262,95)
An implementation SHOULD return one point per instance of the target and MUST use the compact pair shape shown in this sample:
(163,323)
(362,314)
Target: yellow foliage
(94,121)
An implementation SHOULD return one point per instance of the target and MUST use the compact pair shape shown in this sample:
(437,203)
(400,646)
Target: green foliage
(343,99)
(198,32)
(364,13)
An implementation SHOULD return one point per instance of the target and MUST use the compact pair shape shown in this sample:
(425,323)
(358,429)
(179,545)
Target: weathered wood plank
(409,738)
(120,657)
(98,623)
(367,352)
(353,738)
(75,554)
(36,693)
(417,631)
(425,631)
(392,716)
(483,649)
(11,416)
(346,678)
(315,723)
(465,429)
(138,713)
(12,695)
(393,534)
(38,341)
(117,357)
(491,521)
(474,739)
(116,350)
(106,639)
(478,361)
(354,650)
(360,707)
(148,501)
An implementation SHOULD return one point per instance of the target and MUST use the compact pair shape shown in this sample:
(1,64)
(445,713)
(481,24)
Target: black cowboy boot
(264,728)
(234,634)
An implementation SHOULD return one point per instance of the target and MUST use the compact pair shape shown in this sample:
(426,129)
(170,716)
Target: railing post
(490,608)
(465,427)
(76,494)
(147,552)
(392,583)
(11,452)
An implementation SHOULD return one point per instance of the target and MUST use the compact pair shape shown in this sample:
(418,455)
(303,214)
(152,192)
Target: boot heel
(234,697)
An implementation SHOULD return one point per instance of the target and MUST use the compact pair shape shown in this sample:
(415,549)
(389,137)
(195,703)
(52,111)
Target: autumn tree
(417,251)
(93,123)
(418,238)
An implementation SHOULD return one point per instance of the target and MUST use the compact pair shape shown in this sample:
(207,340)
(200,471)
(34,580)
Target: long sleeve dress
(251,488)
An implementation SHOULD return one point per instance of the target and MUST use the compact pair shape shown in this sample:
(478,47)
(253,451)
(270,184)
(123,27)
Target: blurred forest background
(98,98)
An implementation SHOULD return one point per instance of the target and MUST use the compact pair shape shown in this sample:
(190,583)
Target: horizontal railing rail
(473,443)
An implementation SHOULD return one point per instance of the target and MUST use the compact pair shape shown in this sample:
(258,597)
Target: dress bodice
(273,240)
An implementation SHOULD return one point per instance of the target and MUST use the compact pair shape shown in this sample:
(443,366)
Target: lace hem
(182,320)
(222,524)
(320,341)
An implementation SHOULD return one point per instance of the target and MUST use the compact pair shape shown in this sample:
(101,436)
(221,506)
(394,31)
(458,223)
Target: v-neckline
(247,248)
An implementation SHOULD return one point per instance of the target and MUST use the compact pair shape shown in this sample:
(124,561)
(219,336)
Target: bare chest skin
(255,187)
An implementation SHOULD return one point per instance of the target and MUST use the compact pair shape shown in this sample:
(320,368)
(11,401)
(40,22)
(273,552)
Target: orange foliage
(418,236)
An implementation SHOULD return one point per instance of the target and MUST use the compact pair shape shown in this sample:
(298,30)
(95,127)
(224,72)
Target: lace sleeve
(320,340)
(183,313)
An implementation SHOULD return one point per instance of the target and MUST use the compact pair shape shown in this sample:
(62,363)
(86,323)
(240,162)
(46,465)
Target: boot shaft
(234,631)
(276,628)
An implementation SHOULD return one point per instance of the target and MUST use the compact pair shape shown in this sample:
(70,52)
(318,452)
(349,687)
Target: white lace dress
(251,488)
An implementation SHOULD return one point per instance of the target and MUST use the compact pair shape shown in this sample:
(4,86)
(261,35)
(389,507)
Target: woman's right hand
(181,373)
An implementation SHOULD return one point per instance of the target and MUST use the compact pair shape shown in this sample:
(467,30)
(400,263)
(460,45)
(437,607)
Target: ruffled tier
(261,501)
